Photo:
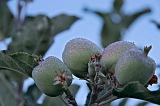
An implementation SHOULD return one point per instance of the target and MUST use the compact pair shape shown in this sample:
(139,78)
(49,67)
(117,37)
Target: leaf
(10,75)
(53,101)
(108,36)
(111,31)
(142,104)
(61,22)
(18,62)
(158,26)
(129,19)
(138,91)
(89,94)
(32,95)
(74,89)
(6,20)
(57,101)
(123,102)
(26,61)
(7,92)
(115,22)
(36,35)
(118,4)
(28,0)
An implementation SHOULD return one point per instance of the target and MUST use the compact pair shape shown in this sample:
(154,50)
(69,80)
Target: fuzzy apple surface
(134,65)
(77,53)
(47,73)
(113,52)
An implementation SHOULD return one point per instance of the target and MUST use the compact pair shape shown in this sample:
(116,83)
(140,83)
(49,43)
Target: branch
(20,91)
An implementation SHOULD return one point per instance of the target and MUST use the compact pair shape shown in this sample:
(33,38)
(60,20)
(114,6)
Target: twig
(20,87)
(72,99)
(108,101)
(24,12)
(19,9)
(107,94)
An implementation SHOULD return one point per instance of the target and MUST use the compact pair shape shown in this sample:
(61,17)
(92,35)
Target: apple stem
(72,99)
(147,49)
(95,90)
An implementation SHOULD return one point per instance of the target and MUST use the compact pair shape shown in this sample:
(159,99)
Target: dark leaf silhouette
(138,91)
(6,20)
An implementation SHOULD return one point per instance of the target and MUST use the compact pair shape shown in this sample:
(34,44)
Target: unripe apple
(77,53)
(52,76)
(113,52)
(134,65)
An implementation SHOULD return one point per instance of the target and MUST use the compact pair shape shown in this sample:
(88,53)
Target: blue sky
(142,32)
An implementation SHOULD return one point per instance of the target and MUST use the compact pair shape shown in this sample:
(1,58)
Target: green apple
(113,52)
(134,65)
(51,76)
(77,54)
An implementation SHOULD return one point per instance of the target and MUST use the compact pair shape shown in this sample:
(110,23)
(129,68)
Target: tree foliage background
(34,34)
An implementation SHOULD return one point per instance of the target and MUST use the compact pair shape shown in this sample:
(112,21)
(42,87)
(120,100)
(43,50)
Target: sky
(142,32)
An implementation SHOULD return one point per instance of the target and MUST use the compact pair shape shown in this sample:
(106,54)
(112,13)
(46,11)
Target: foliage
(20,62)
(116,22)
(32,37)
(138,91)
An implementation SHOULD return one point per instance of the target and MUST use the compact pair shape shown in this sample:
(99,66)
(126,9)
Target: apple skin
(77,54)
(134,65)
(113,52)
(45,73)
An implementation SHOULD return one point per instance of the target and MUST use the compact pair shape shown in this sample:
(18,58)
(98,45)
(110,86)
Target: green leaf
(138,91)
(74,89)
(7,92)
(32,95)
(18,62)
(158,26)
(115,23)
(129,19)
(37,33)
(111,31)
(53,101)
(60,100)
(6,20)
(28,0)
(61,23)
(123,102)
(89,94)
(109,36)
(26,61)
(142,104)
(118,4)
